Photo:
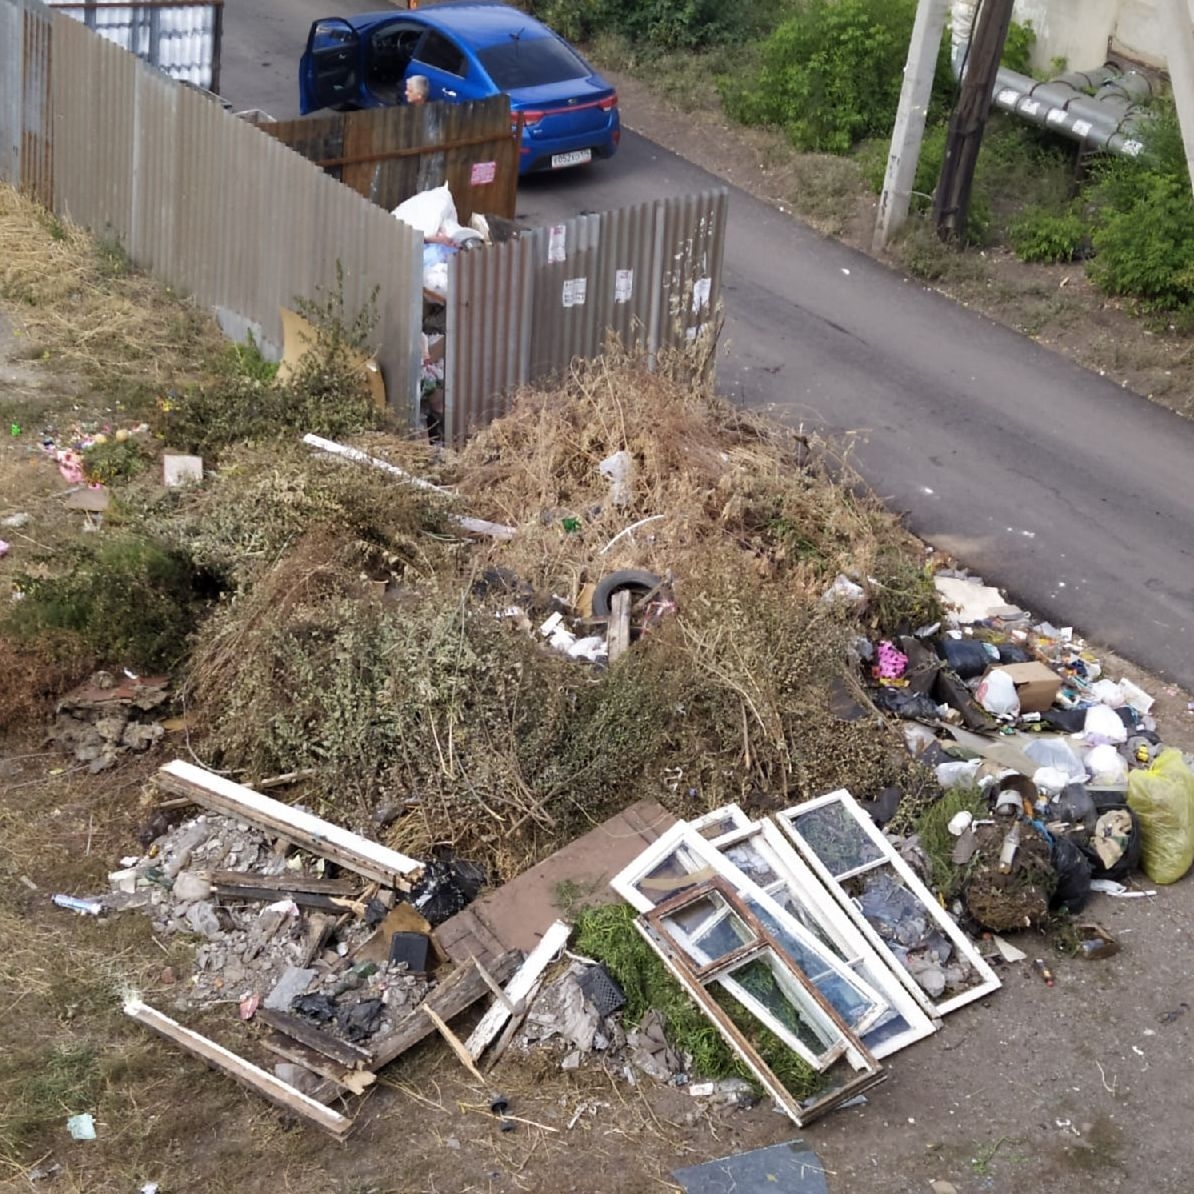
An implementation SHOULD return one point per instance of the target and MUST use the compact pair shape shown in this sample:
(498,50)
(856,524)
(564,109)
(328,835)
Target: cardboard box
(1036,684)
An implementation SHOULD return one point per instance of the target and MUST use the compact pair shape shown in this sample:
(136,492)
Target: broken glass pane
(836,838)
(707,930)
(747,859)
(765,981)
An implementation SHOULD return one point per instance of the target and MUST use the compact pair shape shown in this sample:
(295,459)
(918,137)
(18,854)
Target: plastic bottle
(1011,843)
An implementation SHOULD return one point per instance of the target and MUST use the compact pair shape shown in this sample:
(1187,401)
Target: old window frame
(789,820)
(708,863)
(794,876)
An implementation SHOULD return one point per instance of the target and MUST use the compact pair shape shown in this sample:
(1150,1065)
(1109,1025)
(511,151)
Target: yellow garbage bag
(1162,797)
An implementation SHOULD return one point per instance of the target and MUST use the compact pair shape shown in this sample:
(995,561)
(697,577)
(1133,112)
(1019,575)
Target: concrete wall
(1081,30)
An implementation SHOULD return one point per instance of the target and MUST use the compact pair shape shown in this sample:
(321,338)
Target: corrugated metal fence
(522,311)
(390,154)
(204,200)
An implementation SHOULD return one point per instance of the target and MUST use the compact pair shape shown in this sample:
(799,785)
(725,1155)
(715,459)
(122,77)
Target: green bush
(648,24)
(1017,50)
(1047,236)
(830,75)
(131,601)
(1143,221)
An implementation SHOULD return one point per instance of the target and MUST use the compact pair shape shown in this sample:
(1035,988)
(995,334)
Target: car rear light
(529,118)
(609,103)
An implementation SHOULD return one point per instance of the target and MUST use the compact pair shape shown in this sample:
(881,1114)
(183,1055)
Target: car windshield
(518,63)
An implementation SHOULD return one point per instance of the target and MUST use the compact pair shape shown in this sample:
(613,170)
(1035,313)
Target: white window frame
(789,820)
(681,837)
(794,876)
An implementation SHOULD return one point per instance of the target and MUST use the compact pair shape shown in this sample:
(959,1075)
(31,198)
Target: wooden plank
(518,988)
(301,829)
(456,994)
(270,1087)
(308,899)
(288,882)
(351,1056)
(354,1081)
(618,636)
(454,1041)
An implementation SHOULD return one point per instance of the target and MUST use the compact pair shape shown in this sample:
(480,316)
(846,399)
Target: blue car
(467,51)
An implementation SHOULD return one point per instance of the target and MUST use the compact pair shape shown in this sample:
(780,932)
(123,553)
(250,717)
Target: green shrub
(1047,236)
(648,24)
(1017,50)
(830,75)
(327,394)
(130,600)
(1143,221)
(114,461)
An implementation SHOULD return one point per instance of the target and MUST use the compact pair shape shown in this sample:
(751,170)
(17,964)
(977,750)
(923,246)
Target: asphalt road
(1050,481)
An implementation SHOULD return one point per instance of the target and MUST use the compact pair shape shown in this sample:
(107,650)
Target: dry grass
(428,702)
(84,307)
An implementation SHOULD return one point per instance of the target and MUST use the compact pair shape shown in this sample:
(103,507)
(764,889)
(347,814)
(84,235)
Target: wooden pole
(951,203)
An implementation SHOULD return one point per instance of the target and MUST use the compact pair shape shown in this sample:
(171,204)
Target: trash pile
(96,722)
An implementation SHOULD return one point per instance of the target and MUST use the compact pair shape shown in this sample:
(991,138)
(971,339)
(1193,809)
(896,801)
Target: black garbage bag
(1073,804)
(907,704)
(1073,876)
(1129,860)
(923,665)
(447,885)
(1014,653)
(1069,721)
(968,657)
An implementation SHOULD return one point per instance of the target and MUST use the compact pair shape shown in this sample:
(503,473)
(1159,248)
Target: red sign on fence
(482,174)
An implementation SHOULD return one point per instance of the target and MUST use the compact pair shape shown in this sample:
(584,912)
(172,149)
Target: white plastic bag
(428,211)
(1108,693)
(997,694)
(1050,780)
(1058,754)
(962,774)
(1107,766)
(1103,725)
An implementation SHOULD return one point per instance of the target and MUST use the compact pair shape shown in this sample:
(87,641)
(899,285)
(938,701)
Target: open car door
(329,71)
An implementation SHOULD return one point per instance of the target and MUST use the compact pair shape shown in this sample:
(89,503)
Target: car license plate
(577,157)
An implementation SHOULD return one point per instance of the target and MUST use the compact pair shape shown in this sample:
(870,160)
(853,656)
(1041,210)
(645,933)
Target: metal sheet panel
(649,275)
(218,209)
(390,154)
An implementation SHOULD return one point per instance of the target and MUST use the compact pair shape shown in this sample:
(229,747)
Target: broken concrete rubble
(108,715)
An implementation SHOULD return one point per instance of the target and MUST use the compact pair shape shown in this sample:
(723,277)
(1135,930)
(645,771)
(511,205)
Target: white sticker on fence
(701,289)
(575,290)
(482,174)
(555,242)
(623,285)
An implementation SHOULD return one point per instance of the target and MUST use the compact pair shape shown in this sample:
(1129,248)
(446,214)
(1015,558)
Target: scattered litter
(1095,942)
(74,904)
(81,1127)
(793,1168)
(1007,951)
(1112,888)
(1038,964)
(1177,1013)
(179,470)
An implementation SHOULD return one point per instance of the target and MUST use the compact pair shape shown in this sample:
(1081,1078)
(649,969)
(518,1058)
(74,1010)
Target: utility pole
(1177,23)
(909,127)
(951,203)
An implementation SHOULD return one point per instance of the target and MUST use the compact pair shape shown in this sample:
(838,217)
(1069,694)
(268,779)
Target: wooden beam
(288,882)
(457,1047)
(280,1093)
(518,988)
(456,994)
(300,829)
(354,1081)
(315,1038)
(618,636)
(308,899)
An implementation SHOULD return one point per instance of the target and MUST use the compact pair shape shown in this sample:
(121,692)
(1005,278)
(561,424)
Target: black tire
(638,580)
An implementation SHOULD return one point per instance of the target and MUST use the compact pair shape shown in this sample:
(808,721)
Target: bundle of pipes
(1101,108)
